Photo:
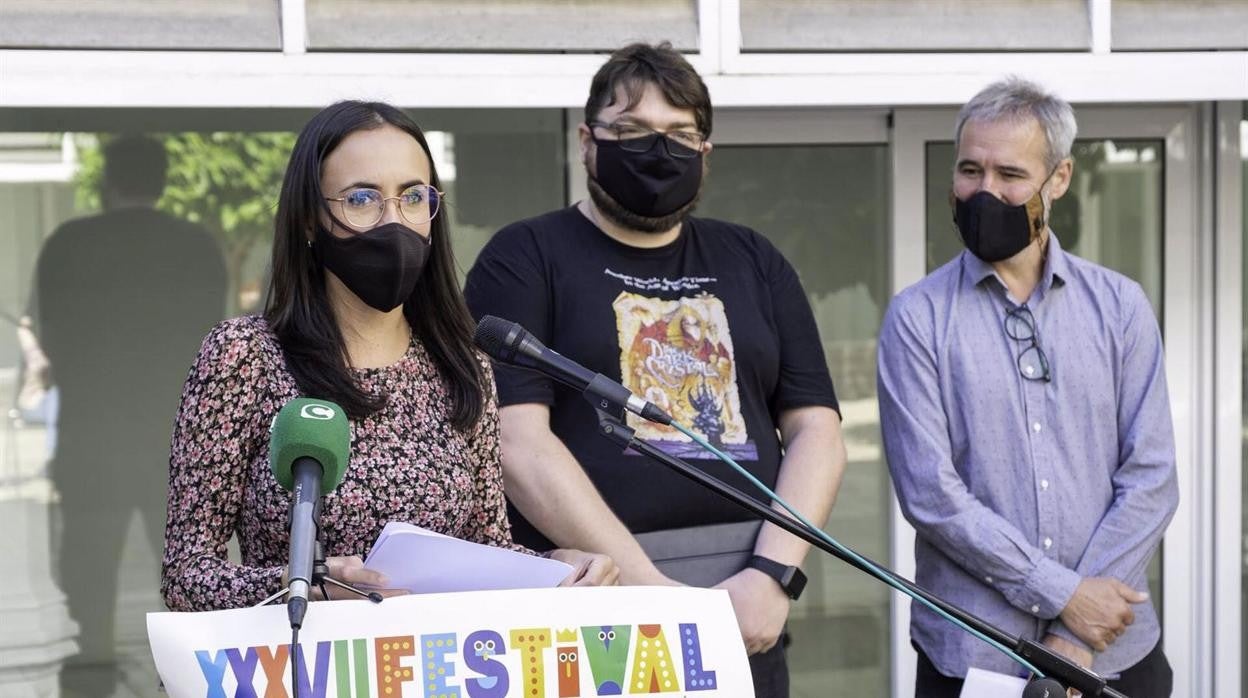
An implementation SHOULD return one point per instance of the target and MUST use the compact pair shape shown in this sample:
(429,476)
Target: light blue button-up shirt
(1020,488)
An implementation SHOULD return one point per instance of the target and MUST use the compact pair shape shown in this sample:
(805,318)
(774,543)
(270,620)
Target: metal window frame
(1228,411)
(295,78)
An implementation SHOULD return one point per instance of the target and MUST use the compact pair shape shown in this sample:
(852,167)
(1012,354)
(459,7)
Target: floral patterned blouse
(407,463)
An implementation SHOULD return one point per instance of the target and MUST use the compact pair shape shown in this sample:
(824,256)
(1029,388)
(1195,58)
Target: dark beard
(621,216)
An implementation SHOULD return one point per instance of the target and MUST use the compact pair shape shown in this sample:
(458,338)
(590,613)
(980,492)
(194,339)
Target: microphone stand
(320,576)
(1052,664)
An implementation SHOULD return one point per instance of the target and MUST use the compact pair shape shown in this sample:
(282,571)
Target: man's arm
(545,482)
(809,478)
(1145,483)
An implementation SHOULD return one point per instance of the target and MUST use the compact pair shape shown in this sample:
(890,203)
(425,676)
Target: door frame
(1188,308)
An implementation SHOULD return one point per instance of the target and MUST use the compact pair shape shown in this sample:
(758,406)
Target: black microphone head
(497,337)
(1044,688)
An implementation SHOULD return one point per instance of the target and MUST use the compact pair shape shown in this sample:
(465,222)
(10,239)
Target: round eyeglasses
(1020,325)
(363,207)
(634,138)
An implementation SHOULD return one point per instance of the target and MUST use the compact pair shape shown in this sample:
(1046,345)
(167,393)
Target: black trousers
(770,670)
(1151,677)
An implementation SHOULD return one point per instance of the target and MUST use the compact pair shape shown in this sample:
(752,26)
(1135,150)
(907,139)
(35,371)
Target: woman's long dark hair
(297,307)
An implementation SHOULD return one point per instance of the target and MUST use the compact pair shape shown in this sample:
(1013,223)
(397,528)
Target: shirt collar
(1056,268)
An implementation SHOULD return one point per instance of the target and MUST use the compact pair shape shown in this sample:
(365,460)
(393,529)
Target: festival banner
(530,643)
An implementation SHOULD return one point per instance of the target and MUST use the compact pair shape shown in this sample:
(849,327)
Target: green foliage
(90,173)
(229,182)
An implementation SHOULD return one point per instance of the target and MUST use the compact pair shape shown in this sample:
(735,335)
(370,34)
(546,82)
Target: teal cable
(884,574)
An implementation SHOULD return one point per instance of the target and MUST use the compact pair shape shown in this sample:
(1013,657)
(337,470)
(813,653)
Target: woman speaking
(363,310)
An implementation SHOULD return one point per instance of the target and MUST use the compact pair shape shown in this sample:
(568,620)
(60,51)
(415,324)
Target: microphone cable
(886,575)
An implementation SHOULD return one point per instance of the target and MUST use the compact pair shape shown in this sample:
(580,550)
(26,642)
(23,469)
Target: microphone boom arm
(1052,664)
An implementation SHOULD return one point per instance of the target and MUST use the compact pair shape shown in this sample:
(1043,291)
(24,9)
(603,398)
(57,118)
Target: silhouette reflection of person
(122,300)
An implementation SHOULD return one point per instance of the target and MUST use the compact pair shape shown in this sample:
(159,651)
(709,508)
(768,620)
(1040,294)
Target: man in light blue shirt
(1025,418)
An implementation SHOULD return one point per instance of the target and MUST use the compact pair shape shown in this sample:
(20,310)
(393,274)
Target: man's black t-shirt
(714,328)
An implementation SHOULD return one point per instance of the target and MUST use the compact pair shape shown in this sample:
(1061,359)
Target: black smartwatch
(790,578)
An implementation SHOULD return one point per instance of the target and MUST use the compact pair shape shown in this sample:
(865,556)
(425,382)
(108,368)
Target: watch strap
(790,577)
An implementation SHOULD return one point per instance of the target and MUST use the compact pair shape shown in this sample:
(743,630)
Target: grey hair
(1015,98)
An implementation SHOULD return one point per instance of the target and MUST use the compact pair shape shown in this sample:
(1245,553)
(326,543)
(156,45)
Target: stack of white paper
(425,562)
(981,683)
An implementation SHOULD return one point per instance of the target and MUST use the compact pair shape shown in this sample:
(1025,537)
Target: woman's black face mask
(381,265)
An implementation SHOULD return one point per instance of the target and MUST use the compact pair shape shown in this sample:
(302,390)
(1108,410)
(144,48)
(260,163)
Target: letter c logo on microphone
(321,412)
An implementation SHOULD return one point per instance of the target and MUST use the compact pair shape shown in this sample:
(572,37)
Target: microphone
(510,343)
(309,445)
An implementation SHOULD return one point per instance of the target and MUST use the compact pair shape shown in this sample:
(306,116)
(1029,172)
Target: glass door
(816,183)
(1130,208)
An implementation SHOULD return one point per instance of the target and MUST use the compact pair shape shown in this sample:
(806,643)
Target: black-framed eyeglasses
(635,138)
(363,207)
(1020,325)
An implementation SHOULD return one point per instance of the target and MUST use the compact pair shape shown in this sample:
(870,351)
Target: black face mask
(651,184)
(994,230)
(381,266)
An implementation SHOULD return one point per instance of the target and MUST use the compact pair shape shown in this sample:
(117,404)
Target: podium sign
(531,643)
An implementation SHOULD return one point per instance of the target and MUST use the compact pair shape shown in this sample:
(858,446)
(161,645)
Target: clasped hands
(1098,614)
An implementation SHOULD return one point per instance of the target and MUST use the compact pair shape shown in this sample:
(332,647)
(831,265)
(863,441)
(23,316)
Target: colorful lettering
(437,667)
(531,642)
(244,668)
(390,673)
(606,647)
(569,664)
(653,671)
(316,687)
(342,668)
(696,678)
(214,672)
(479,649)
(656,666)
(274,664)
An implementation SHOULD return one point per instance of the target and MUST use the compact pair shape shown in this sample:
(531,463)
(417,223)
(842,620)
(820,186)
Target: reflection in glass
(92,359)
(826,208)
(1112,215)
(495,178)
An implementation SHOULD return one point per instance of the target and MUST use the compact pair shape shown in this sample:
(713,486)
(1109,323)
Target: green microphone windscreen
(314,429)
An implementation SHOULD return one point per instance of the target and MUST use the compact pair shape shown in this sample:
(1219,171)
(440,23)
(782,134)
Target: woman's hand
(349,569)
(591,569)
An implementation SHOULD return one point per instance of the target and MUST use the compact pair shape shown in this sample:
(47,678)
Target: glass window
(496,25)
(1112,214)
(1148,25)
(826,208)
(153,24)
(96,339)
(497,167)
(869,25)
